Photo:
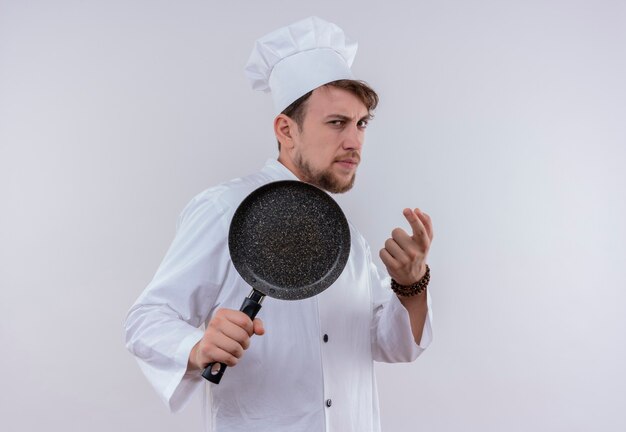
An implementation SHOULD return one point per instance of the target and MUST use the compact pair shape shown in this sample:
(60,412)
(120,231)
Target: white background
(505,120)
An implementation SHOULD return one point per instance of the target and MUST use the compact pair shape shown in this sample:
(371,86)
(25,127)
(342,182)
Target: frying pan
(288,240)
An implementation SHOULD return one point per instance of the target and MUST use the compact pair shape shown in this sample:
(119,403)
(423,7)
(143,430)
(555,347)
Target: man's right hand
(225,339)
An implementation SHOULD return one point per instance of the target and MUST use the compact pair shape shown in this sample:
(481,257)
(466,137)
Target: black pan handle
(250,306)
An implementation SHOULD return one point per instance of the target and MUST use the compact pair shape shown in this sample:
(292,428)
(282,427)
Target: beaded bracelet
(414,289)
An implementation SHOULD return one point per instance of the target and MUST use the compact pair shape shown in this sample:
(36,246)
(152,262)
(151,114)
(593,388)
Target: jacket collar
(278,171)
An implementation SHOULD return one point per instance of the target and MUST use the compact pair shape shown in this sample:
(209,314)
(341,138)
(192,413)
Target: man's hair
(297,110)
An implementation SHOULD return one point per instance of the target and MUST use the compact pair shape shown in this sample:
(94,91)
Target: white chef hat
(292,61)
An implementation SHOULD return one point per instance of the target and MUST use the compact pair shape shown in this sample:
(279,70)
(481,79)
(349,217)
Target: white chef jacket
(313,368)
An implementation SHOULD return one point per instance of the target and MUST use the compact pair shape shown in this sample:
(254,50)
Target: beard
(323,179)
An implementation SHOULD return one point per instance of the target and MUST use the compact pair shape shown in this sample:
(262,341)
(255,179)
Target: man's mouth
(348,162)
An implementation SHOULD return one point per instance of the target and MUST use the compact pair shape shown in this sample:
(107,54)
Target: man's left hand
(405,255)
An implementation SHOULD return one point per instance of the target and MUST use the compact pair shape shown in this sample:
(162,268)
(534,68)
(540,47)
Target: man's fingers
(218,355)
(388,260)
(236,333)
(406,242)
(419,231)
(226,338)
(240,319)
(426,221)
(402,253)
(231,346)
(218,348)
(259,329)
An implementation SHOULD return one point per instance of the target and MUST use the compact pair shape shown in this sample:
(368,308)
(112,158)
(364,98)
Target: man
(312,370)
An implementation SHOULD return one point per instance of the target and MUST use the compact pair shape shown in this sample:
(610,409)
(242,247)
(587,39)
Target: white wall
(506,121)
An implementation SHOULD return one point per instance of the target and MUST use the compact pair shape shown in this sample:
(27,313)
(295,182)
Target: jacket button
(325,338)
(329,403)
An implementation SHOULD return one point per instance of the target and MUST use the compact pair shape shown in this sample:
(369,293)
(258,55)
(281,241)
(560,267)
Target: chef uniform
(313,368)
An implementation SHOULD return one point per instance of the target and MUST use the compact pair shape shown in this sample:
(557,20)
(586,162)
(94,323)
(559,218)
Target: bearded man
(312,369)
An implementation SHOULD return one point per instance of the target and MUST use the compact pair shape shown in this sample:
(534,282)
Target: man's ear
(283,129)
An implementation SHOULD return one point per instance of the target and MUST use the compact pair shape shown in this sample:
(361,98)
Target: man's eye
(336,122)
(362,124)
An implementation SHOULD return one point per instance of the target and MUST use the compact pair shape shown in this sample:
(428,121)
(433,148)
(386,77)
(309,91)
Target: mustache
(353,155)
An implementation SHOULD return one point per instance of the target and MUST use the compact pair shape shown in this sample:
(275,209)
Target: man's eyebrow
(338,117)
(367,117)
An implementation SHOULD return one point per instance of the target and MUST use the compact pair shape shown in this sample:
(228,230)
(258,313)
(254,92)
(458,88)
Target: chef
(303,365)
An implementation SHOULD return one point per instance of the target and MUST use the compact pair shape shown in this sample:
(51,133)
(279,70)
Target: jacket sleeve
(392,338)
(163,325)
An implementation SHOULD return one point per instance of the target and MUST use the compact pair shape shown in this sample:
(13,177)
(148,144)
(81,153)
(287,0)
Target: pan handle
(250,306)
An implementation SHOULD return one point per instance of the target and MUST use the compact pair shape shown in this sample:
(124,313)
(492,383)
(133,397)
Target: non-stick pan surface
(289,240)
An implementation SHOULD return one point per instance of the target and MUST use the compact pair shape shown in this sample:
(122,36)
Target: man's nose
(353,139)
